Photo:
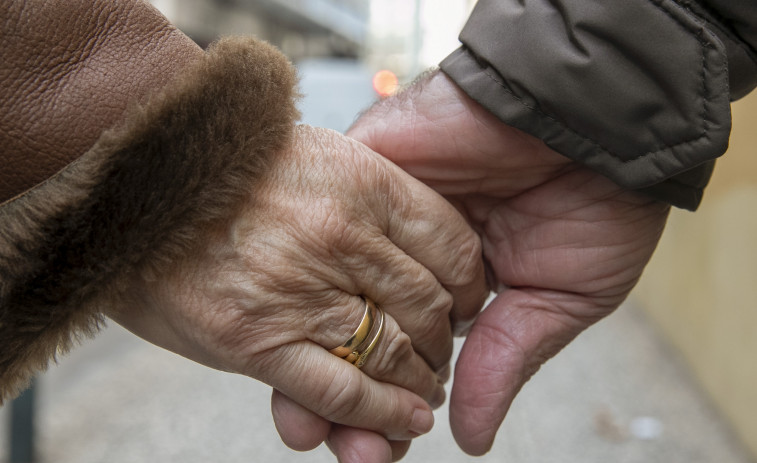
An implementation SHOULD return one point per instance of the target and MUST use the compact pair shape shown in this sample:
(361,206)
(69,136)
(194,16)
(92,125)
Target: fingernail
(440,395)
(423,421)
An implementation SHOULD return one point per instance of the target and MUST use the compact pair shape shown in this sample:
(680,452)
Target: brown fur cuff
(141,199)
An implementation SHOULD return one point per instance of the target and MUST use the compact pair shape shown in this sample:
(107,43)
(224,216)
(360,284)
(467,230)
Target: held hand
(280,285)
(564,244)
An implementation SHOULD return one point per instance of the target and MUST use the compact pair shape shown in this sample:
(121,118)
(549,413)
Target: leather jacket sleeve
(68,70)
(124,145)
(637,90)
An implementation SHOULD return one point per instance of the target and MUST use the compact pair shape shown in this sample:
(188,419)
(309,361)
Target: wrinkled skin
(564,247)
(280,284)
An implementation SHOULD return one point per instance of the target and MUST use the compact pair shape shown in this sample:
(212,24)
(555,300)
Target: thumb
(511,339)
(299,428)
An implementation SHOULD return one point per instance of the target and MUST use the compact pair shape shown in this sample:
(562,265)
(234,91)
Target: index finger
(451,252)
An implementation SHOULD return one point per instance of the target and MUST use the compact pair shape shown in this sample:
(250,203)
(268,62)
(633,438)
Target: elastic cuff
(684,190)
(635,90)
(140,200)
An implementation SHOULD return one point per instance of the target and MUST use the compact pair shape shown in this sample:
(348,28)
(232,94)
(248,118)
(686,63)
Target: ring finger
(369,338)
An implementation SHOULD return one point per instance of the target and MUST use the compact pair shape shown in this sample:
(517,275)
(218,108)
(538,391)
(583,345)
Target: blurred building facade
(405,36)
(337,45)
(700,285)
(301,28)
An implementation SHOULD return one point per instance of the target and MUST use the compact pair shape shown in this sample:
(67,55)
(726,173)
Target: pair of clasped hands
(455,205)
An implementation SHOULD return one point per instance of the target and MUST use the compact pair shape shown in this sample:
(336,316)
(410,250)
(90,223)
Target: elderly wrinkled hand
(173,194)
(564,245)
(331,226)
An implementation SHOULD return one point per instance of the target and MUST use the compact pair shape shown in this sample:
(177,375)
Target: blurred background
(349,52)
(671,377)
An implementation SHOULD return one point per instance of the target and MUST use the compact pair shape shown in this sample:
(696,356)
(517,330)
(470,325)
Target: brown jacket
(638,90)
(85,209)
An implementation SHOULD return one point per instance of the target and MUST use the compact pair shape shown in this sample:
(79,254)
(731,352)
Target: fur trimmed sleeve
(141,199)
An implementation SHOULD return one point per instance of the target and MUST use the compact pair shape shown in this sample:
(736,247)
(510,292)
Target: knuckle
(339,231)
(425,286)
(332,319)
(436,339)
(398,351)
(339,403)
(442,304)
(438,308)
(468,261)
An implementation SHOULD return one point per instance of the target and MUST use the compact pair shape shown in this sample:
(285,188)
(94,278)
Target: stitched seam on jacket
(703,113)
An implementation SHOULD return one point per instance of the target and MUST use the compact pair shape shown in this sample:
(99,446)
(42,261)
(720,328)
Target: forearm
(638,91)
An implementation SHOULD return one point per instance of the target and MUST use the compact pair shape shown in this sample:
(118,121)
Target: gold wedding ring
(365,338)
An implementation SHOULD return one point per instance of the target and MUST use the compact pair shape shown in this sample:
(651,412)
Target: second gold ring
(365,338)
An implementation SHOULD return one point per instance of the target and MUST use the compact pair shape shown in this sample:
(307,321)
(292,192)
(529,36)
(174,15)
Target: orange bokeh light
(385,83)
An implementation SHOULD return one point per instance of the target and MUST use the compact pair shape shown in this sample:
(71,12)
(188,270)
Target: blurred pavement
(617,394)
